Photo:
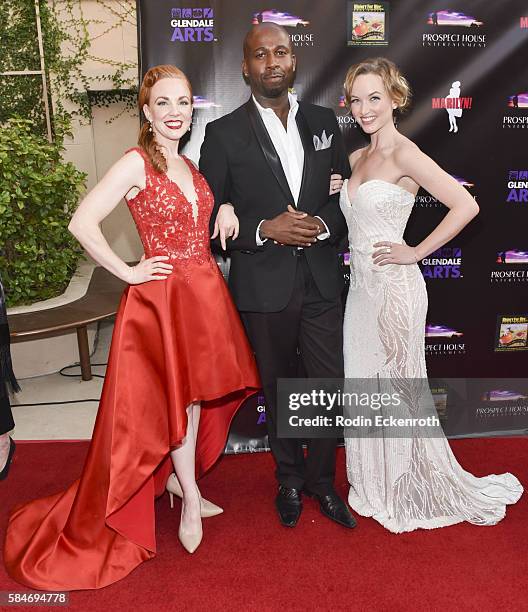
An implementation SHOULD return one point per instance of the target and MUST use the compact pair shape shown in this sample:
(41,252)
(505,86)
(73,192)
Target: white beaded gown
(415,481)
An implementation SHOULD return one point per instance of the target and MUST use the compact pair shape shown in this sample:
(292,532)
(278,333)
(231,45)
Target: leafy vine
(67,48)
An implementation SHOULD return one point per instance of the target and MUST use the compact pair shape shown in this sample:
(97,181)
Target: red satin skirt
(175,342)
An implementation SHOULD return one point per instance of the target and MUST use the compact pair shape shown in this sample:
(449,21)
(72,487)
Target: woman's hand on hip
(153,268)
(394,253)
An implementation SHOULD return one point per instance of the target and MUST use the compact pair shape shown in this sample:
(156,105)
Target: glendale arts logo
(511,266)
(454,104)
(523,24)
(444,30)
(428,201)
(192,25)
(517,186)
(261,410)
(443,263)
(518,111)
(441,340)
(299,38)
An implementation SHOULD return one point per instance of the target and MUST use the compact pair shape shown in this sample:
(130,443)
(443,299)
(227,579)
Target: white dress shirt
(287,143)
(289,147)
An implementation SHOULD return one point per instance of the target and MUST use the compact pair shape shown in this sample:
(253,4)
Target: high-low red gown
(175,341)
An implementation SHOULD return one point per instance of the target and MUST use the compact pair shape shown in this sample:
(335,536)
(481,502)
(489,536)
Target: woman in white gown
(415,481)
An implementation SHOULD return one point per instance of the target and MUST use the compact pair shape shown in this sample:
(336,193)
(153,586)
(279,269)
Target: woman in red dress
(179,367)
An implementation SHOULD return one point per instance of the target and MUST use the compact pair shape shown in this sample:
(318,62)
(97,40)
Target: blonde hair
(146,138)
(395,83)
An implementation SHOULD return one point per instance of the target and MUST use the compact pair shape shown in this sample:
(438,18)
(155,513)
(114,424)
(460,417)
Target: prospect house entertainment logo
(343,116)
(517,116)
(511,266)
(428,201)
(444,30)
(299,38)
(201,102)
(441,340)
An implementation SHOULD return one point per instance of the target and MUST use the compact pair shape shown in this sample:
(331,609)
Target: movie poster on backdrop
(466,63)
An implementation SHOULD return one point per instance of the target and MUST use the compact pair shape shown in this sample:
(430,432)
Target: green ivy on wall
(38,190)
(67,48)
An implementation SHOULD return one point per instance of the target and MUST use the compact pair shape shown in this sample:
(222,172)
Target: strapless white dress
(412,482)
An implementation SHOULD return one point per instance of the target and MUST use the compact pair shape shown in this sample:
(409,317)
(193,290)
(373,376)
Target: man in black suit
(267,158)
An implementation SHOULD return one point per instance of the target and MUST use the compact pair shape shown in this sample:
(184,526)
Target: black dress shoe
(332,506)
(289,505)
(5,472)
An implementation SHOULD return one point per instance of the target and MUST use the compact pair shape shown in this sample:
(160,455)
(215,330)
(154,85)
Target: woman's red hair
(146,138)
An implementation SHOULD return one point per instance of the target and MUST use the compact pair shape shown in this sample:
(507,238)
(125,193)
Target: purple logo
(517,186)
(201,102)
(192,13)
(502,395)
(452,18)
(443,26)
(261,409)
(463,182)
(192,25)
(443,263)
(286,20)
(441,331)
(513,256)
(428,201)
(519,100)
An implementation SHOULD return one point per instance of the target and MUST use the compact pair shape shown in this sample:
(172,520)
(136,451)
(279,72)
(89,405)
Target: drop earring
(150,127)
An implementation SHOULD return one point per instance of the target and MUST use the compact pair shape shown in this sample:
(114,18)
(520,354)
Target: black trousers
(6,416)
(307,337)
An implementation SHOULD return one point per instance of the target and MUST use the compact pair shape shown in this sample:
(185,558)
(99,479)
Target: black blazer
(242,167)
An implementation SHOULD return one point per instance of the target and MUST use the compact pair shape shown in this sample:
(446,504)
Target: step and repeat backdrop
(467,65)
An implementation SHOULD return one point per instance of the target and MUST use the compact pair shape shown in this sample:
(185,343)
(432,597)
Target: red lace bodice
(168,224)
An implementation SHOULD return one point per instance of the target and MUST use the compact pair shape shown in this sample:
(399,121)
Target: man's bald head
(267,26)
(269,62)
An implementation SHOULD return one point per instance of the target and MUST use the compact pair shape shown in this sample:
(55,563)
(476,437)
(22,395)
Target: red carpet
(249,562)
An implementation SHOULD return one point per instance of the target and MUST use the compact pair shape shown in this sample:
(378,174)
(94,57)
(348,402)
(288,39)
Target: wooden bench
(99,302)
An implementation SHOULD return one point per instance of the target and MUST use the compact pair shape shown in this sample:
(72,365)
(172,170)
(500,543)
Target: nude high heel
(190,541)
(207,508)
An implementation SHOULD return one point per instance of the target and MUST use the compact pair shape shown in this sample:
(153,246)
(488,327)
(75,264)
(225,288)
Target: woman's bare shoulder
(354,157)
